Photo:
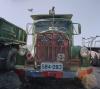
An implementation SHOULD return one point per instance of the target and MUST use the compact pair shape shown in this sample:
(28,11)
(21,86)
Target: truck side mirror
(29,29)
(76,29)
(79,29)
(26,31)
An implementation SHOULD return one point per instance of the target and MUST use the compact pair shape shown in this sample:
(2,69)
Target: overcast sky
(85,12)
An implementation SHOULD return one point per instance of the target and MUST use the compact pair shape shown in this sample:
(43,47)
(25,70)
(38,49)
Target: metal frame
(87,40)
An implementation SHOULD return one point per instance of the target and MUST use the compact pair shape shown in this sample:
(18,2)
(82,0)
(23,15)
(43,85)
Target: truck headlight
(84,52)
(22,51)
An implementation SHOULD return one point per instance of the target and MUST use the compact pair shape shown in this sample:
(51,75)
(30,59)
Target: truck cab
(53,53)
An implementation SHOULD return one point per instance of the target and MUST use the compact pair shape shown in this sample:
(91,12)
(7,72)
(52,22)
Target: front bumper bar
(80,73)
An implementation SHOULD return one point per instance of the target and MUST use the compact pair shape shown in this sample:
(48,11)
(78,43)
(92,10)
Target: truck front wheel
(11,58)
(9,55)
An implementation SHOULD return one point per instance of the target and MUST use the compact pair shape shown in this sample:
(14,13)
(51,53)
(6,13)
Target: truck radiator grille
(50,46)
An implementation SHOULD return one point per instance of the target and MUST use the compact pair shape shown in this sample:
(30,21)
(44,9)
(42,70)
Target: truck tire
(24,79)
(94,60)
(1,49)
(98,63)
(10,58)
(93,63)
(2,53)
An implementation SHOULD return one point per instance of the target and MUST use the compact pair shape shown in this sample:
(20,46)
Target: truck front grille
(50,45)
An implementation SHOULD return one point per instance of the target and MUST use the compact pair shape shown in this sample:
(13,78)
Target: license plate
(51,66)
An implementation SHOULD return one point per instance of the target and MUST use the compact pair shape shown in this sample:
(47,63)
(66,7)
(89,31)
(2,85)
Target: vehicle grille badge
(44,40)
(60,40)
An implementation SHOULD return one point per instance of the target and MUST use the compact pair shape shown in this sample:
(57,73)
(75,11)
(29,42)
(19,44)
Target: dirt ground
(9,80)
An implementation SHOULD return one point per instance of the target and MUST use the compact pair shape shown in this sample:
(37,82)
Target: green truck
(53,54)
(11,38)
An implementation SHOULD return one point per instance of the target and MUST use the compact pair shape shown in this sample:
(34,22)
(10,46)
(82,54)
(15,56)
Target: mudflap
(89,81)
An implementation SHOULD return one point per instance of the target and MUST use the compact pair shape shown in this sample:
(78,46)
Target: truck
(53,54)
(11,38)
(93,46)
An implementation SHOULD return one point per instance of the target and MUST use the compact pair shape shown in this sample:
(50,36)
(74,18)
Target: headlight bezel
(86,51)
(22,50)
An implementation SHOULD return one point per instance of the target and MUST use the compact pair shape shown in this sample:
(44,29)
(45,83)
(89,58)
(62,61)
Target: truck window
(47,25)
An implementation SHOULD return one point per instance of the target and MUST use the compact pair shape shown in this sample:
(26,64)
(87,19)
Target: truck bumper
(80,73)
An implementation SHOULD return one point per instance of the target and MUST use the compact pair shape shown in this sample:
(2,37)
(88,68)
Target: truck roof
(45,16)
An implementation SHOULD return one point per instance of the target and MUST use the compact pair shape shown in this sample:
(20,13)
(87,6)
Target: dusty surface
(9,80)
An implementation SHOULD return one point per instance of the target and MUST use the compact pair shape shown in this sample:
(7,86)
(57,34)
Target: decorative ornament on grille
(60,40)
(44,39)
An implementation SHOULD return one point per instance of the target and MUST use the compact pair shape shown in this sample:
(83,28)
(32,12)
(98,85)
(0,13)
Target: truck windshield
(47,25)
